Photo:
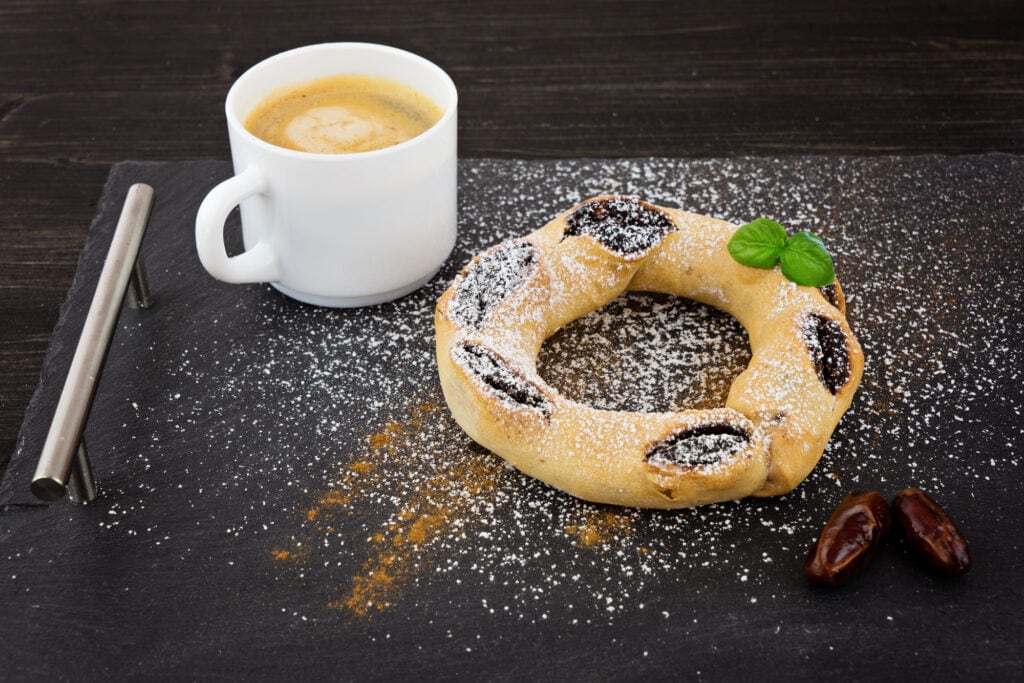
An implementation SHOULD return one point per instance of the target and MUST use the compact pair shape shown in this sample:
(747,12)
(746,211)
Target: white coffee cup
(336,229)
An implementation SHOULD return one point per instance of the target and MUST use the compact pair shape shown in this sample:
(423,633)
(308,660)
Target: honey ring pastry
(779,414)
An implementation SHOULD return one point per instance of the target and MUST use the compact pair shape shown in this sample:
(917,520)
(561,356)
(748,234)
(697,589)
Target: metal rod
(138,287)
(65,435)
(81,485)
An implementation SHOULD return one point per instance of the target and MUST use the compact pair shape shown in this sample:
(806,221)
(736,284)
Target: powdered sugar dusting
(500,379)
(489,280)
(622,224)
(826,343)
(647,353)
(698,447)
(331,428)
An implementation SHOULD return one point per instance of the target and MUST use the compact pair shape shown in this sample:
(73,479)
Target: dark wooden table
(85,85)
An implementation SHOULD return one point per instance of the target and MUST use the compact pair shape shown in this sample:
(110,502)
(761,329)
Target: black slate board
(260,461)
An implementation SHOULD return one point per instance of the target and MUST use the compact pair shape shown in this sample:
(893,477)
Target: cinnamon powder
(599,526)
(431,506)
(434,507)
(438,485)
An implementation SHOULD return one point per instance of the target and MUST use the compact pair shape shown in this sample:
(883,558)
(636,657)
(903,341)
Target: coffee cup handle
(258,263)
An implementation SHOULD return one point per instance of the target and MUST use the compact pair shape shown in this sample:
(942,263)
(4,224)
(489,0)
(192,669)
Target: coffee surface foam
(342,114)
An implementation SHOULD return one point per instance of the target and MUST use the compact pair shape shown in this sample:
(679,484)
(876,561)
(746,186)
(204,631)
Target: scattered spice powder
(401,549)
(448,496)
(430,508)
(599,526)
(938,406)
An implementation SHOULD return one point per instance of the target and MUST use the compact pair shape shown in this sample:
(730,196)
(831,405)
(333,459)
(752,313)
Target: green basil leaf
(758,243)
(805,261)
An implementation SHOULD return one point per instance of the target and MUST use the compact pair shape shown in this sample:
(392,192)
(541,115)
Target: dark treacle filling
(699,446)
(498,375)
(489,280)
(826,343)
(624,225)
(831,294)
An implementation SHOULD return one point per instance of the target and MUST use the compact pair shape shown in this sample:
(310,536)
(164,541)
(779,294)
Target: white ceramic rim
(238,128)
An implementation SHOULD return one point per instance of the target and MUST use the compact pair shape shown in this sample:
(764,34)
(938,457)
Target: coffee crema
(342,114)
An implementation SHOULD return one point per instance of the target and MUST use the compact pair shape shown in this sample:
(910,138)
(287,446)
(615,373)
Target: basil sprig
(762,243)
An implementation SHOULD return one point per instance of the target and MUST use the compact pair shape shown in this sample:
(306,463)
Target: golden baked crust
(779,414)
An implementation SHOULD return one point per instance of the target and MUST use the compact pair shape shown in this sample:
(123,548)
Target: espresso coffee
(342,114)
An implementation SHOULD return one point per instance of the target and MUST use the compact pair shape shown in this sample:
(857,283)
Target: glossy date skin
(933,536)
(849,540)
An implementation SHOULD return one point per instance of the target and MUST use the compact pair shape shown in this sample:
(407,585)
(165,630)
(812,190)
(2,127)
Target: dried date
(930,532)
(849,540)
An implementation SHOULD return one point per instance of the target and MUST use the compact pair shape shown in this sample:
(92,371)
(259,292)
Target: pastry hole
(826,345)
(647,352)
(489,279)
(499,377)
(831,294)
(667,494)
(624,225)
(699,446)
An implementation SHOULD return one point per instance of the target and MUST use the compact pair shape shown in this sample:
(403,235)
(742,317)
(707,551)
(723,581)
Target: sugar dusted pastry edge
(778,417)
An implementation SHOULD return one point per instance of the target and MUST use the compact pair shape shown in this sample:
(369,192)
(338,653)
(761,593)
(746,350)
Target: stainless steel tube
(62,442)
(81,486)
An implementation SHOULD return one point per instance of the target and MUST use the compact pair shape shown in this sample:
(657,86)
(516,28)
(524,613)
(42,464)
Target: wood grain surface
(84,85)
